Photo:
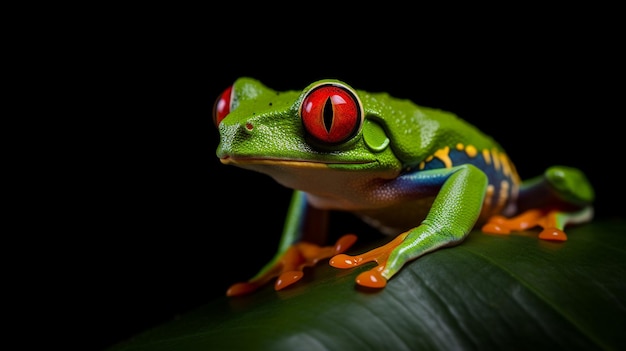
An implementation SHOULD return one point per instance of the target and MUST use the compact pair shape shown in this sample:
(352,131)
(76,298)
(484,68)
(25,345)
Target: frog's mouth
(313,176)
(244,161)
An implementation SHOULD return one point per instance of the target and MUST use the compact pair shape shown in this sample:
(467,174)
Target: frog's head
(323,126)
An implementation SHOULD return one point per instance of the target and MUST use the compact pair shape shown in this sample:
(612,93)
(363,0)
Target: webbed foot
(288,268)
(552,223)
(372,278)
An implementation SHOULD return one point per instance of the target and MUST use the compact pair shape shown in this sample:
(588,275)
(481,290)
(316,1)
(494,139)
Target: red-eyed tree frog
(421,175)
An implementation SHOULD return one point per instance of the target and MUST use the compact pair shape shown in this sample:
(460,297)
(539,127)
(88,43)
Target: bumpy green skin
(409,169)
(413,133)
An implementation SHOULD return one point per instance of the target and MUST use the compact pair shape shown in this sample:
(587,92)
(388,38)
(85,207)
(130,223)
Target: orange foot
(373,277)
(289,268)
(527,220)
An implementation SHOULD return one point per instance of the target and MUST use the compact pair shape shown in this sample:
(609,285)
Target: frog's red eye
(331,113)
(221,108)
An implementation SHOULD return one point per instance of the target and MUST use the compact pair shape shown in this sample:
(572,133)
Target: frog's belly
(398,218)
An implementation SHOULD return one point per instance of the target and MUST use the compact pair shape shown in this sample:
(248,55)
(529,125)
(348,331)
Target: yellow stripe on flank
(487,156)
(471,151)
(422,165)
(444,156)
(496,159)
(506,164)
(514,176)
(504,195)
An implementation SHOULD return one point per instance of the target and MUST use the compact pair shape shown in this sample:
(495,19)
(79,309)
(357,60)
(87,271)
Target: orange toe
(553,234)
(371,279)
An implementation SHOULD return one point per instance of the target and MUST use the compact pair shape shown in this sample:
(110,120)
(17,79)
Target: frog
(422,176)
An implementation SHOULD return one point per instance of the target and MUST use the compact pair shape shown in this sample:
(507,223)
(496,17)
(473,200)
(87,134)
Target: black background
(165,228)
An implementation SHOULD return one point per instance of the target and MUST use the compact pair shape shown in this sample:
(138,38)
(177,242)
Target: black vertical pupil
(328,114)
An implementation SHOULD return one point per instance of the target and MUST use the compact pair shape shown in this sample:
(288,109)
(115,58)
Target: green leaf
(489,293)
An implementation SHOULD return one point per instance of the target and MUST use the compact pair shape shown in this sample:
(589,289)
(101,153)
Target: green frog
(421,175)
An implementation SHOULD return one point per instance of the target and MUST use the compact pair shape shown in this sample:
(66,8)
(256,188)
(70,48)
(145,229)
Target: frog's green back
(418,132)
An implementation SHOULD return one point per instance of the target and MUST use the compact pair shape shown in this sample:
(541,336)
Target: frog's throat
(281,162)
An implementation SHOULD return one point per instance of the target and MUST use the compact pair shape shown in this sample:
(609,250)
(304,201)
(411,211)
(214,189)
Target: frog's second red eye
(331,113)
(221,108)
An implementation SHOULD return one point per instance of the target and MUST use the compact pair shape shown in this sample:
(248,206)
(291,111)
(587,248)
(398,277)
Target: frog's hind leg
(561,196)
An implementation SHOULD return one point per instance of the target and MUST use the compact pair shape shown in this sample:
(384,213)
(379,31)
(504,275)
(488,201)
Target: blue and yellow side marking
(503,178)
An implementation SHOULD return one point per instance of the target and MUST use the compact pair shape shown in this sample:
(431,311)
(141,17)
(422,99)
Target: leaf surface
(489,293)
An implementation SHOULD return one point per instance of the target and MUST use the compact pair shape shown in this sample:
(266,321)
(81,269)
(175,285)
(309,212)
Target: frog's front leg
(451,217)
(293,254)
